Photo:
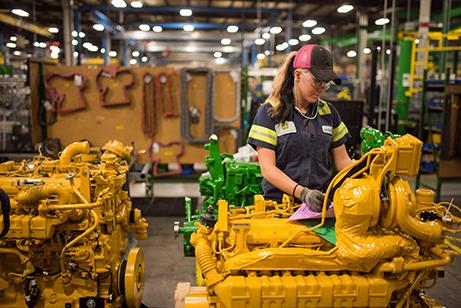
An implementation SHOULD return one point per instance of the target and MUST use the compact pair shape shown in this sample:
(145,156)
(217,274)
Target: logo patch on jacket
(327,129)
(284,128)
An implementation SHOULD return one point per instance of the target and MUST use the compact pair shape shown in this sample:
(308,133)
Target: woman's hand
(313,199)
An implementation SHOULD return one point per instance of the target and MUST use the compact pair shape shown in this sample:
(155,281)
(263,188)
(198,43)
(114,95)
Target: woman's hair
(282,91)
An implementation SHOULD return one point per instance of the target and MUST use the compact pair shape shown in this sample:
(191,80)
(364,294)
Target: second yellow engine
(65,231)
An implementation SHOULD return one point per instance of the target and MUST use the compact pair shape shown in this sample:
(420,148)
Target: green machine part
(373,138)
(234,180)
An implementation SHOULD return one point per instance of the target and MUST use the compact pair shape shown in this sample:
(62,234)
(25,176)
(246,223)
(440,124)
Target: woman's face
(309,87)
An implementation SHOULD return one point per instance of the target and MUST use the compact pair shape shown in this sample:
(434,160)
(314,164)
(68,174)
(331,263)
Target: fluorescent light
(309,23)
(260,56)
(13,38)
(188,28)
(228,49)
(282,47)
(260,41)
(275,30)
(20,12)
(133,61)
(36,44)
(103,50)
(75,54)
(191,48)
(118,3)
(42,45)
(382,21)
(135,53)
(225,41)
(93,48)
(112,53)
(74,42)
(388,51)
(87,45)
(53,30)
(351,53)
(304,37)
(366,50)
(16,53)
(74,33)
(98,27)
(232,28)
(144,59)
(378,48)
(144,27)
(185,12)
(293,42)
(318,30)
(136,4)
(81,35)
(220,61)
(345,8)
(157,29)
(266,35)
(217,54)
(10,45)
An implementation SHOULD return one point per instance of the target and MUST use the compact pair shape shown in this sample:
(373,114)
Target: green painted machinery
(234,180)
(373,138)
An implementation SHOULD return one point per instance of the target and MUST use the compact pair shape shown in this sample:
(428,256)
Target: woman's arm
(340,157)
(274,175)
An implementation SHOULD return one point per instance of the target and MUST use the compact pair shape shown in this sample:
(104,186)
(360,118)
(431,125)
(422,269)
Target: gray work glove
(313,199)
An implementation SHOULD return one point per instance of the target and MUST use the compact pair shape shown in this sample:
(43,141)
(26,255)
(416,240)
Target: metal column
(106,44)
(423,31)
(402,85)
(67,16)
(362,20)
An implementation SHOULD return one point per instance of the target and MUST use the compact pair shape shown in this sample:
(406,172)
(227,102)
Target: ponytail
(282,95)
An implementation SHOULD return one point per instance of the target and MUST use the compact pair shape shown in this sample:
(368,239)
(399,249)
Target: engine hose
(5,205)
(206,262)
(185,119)
(31,291)
(236,78)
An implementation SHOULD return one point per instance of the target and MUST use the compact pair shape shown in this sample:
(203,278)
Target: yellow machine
(388,243)
(65,231)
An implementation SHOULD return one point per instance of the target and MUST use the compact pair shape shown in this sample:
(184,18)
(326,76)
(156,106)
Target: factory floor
(166,265)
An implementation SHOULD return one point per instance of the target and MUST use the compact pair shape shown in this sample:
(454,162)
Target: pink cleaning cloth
(305,213)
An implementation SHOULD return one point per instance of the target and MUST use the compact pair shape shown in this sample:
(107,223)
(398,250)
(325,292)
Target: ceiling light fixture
(144,27)
(10,45)
(112,53)
(382,21)
(293,42)
(232,28)
(304,37)
(260,56)
(188,28)
(351,54)
(98,27)
(266,35)
(13,38)
(74,33)
(135,53)
(133,61)
(16,53)
(388,51)
(74,42)
(157,29)
(144,59)
(103,50)
(345,8)
(220,61)
(309,23)
(118,3)
(260,41)
(275,30)
(366,50)
(185,12)
(318,30)
(20,12)
(42,45)
(136,4)
(81,34)
(226,41)
(217,54)
(53,30)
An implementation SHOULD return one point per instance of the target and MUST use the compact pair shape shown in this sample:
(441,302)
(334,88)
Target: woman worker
(294,130)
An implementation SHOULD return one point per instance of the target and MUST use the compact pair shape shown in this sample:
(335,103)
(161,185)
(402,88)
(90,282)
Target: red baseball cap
(319,62)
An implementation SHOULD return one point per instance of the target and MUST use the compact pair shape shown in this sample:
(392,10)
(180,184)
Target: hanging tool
(114,73)
(155,147)
(164,90)
(185,118)
(149,116)
(57,99)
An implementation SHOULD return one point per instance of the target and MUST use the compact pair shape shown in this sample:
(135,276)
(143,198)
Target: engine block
(65,231)
(388,243)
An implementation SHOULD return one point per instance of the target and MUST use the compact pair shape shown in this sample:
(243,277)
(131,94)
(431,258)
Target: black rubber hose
(5,206)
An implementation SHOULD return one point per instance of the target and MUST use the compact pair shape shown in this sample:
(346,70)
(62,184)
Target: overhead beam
(19,23)
(183,36)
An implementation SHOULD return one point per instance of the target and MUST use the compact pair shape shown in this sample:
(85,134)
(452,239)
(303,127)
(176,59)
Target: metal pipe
(72,150)
(73,206)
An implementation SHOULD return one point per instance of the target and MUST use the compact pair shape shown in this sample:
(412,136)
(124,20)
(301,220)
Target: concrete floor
(166,265)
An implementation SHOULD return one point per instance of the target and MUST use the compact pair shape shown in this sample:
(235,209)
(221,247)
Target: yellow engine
(386,247)
(65,231)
